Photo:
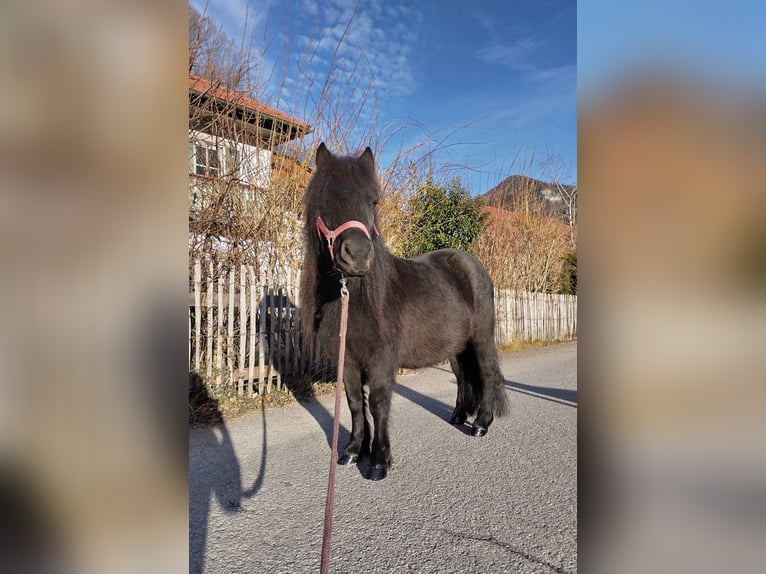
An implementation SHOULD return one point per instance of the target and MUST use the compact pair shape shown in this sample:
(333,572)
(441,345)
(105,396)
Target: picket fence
(525,316)
(245,326)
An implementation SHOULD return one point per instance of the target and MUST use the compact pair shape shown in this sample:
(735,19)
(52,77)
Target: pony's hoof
(479,430)
(347,459)
(457,419)
(377,472)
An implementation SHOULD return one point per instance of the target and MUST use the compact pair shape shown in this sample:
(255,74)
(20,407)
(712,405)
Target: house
(236,140)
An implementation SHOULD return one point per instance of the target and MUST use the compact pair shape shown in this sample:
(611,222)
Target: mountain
(509,194)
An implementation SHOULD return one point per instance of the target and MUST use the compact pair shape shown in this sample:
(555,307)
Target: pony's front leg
(381,390)
(355,398)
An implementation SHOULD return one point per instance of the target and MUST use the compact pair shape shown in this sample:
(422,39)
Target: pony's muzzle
(355,256)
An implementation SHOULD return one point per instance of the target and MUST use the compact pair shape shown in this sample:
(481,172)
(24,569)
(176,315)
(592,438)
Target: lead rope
(330,499)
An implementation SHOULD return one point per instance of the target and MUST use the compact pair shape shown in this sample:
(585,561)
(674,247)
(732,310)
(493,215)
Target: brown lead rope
(327,532)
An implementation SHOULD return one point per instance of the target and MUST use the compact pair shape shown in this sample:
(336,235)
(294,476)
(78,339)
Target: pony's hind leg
(460,414)
(466,371)
(493,400)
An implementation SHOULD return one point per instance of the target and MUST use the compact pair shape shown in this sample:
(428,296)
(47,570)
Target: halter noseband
(330,235)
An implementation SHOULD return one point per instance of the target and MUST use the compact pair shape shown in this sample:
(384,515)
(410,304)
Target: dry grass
(210,405)
(523,251)
(520,345)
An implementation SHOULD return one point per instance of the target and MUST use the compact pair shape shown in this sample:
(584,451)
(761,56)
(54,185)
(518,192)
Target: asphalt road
(452,503)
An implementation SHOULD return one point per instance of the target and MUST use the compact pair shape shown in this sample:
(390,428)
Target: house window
(215,161)
(206,161)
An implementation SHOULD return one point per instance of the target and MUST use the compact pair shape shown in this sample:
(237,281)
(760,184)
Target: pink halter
(330,235)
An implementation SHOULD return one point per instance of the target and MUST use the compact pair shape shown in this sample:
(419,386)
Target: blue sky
(720,42)
(493,81)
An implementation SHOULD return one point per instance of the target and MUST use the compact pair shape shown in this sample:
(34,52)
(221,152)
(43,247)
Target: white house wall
(255,163)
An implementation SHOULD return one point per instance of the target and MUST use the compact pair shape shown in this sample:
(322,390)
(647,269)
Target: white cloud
(346,57)
(486,22)
(310,7)
(546,106)
(517,55)
(231,14)
(523,56)
(556,76)
(378,41)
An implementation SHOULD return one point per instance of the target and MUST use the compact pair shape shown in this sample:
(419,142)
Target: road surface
(452,503)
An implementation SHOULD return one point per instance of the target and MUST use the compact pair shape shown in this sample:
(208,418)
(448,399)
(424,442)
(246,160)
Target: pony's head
(341,209)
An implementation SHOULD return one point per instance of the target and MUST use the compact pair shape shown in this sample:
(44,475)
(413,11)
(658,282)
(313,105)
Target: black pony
(402,312)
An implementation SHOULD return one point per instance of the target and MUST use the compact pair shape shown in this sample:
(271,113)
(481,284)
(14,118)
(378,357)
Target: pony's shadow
(324,418)
(301,389)
(437,408)
(216,476)
(566,397)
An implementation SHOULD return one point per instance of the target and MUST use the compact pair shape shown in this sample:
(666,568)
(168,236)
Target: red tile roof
(216,90)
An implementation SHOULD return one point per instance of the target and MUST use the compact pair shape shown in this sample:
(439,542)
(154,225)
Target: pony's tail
(500,404)
(475,389)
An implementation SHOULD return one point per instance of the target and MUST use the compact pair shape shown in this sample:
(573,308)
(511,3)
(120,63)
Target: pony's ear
(368,159)
(323,154)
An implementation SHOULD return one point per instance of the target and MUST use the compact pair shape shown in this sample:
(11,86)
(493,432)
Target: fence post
(197,311)
(273,338)
(242,330)
(262,333)
(299,351)
(280,310)
(498,320)
(288,315)
(219,331)
(253,317)
(230,330)
(210,329)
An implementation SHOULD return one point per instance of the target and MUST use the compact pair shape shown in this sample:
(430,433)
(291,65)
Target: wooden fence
(245,328)
(520,315)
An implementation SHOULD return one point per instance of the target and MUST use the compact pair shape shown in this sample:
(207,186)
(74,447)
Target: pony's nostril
(354,251)
(355,256)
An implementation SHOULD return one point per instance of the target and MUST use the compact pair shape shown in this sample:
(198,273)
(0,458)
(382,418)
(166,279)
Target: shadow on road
(224,483)
(566,397)
(443,368)
(324,419)
(436,408)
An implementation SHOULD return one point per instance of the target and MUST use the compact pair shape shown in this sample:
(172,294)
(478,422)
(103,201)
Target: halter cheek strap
(331,234)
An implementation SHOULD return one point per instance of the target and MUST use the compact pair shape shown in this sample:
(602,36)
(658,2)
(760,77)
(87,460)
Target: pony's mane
(316,268)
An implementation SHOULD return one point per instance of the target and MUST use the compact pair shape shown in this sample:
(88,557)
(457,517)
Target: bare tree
(553,166)
(213,54)
(523,252)
(337,100)
(525,242)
